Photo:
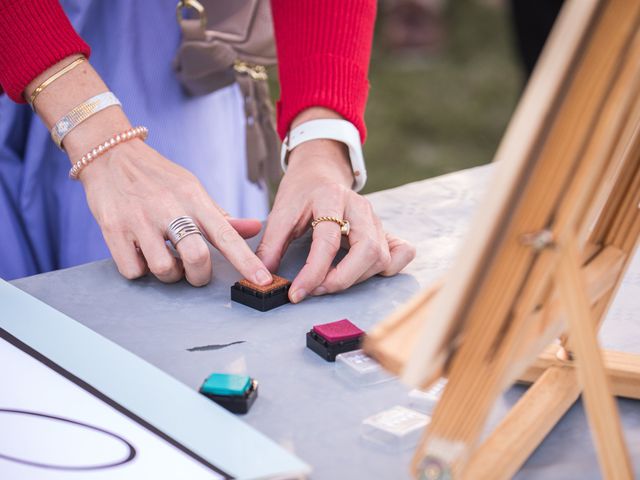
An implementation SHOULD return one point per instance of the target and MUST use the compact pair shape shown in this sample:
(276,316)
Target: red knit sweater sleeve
(34,34)
(324,48)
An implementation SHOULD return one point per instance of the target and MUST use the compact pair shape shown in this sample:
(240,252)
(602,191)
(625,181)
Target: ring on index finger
(345,226)
(181,227)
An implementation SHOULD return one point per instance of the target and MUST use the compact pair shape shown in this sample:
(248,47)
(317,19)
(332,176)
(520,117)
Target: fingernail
(263,277)
(319,291)
(298,295)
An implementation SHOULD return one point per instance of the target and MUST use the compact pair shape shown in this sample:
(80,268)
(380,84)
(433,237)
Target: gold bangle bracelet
(52,79)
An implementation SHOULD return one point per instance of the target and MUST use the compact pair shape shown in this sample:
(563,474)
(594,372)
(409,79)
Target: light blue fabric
(45,223)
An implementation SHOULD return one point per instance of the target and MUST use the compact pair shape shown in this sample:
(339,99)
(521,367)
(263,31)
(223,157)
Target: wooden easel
(544,258)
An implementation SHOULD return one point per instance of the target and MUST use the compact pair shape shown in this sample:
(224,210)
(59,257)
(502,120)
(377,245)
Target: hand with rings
(140,199)
(316,191)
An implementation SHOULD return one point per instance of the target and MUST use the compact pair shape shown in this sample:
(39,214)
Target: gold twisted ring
(345,227)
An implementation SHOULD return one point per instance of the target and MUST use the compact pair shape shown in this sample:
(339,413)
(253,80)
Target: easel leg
(600,405)
(502,454)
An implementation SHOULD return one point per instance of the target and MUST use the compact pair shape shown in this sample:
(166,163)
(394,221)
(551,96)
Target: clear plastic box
(398,428)
(358,369)
(426,401)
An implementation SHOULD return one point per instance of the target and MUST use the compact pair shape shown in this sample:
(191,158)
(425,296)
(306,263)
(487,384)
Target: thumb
(274,243)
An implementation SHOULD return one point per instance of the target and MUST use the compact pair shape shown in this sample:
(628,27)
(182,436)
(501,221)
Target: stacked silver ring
(181,227)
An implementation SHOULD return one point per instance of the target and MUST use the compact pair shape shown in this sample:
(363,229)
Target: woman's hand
(134,193)
(317,184)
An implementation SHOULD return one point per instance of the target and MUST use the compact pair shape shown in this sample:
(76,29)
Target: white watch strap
(332,129)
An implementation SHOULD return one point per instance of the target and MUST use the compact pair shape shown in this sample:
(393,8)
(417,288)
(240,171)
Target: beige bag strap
(262,143)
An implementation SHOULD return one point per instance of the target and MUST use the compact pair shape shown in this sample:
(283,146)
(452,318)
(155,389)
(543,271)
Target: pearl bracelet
(137,132)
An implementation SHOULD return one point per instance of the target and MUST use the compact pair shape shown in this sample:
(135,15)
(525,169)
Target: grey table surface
(303,405)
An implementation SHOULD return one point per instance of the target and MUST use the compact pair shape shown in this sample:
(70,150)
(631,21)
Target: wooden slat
(525,426)
(610,191)
(602,411)
(600,276)
(623,370)
(392,340)
(625,227)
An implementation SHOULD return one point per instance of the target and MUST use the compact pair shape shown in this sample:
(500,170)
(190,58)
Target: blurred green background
(447,111)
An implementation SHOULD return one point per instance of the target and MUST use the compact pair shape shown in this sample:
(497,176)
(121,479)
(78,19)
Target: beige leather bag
(232,41)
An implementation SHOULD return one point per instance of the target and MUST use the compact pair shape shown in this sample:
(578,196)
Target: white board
(52,428)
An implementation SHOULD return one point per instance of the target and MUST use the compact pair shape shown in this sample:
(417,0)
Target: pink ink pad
(338,331)
(331,339)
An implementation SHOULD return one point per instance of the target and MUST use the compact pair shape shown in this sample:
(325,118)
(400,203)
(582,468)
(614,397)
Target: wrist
(67,92)
(335,141)
(47,75)
(101,169)
(314,113)
(322,159)
(94,131)
(328,157)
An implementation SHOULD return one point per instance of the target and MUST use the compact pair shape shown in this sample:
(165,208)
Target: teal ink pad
(225,384)
(236,393)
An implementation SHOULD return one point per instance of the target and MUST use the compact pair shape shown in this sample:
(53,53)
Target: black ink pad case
(261,298)
(236,393)
(331,339)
